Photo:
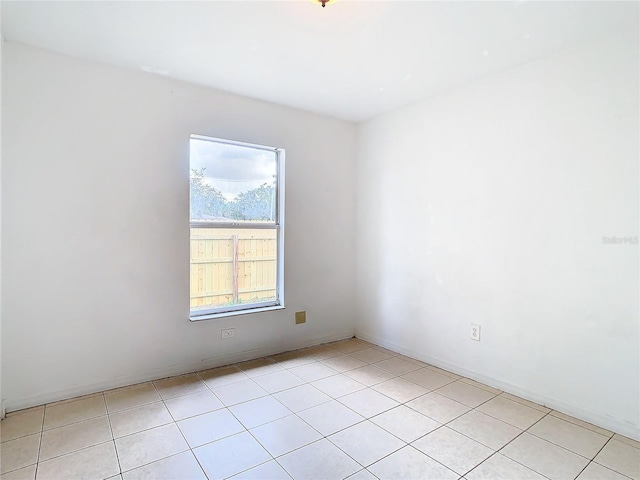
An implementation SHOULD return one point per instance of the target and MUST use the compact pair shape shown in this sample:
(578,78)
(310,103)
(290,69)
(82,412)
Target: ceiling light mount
(324,3)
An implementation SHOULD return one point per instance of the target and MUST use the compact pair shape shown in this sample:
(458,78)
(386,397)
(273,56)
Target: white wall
(96,240)
(488,205)
(1,46)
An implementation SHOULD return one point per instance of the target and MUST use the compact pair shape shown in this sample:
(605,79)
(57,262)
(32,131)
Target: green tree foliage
(256,204)
(207,202)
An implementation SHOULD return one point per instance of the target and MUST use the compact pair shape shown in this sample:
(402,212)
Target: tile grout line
(566,448)
(113,438)
(175,423)
(519,435)
(610,468)
(570,419)
(337,399)
(147,429)
(44,413)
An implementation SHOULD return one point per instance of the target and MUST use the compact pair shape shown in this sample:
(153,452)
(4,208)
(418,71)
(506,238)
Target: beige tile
(19,453)
(338,385)
(397,366)
(544,457)
(525,402)
(284,435)
(318,460)
(427,378)
(218,377)
(598,472)
(130,397)
(26,473)
(385,350)
(363,474)
(400,390)
(441,409)
(570,436)
(182,385)
(481,385)
(485,429)
(466,394)
(292,359)
(366,442)
(67,439)
(240,452)
(363,342)
(193,404)
(348,346)
(343,363)
(330,417)
(97,462)
(511,412)
(321,352)
(582,423)
(25,410)
(444,372)
(267,471)
(621,457)
(259,411)
(276,382)
(405,423)
(72,399)
(209,427)
(499,467)
(453,450)
(239,392)
(369,375)
(59,414)
(313,371)
(415,361)
(181,466)
(410,464)
(21,425)
(368,402)
(261,366)
(134,420)
(371,355)
(302,397)
(619,438)
(149,446)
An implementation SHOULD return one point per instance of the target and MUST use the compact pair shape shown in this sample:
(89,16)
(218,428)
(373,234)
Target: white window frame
(278,303)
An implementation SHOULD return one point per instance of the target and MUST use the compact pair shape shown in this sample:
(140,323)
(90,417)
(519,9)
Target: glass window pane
(232,183)
(232,267)
(236,232)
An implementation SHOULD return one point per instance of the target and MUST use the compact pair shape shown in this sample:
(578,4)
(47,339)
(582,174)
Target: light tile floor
(345,409)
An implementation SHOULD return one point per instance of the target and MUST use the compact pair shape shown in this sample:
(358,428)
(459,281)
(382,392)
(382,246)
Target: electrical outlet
(227,333)
(301,317)
(475,332)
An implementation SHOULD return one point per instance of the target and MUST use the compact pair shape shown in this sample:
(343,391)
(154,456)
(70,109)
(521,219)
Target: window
(236,213)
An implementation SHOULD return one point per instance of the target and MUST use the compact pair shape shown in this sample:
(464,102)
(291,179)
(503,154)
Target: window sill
(213,316)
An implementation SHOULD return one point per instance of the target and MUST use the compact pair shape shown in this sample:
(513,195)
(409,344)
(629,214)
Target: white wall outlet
(475,332)
(227,333)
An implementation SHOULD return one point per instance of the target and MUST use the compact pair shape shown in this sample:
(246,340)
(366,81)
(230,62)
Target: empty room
(319,240)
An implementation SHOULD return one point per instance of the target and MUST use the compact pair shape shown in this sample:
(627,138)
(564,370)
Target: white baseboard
(594,418)
(65,394)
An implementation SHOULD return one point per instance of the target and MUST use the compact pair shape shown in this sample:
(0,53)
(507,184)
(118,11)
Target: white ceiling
(352,60)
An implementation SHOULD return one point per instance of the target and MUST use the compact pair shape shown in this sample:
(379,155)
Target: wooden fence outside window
(231,266)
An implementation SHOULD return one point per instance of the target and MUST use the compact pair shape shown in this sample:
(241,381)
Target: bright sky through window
(232,169)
